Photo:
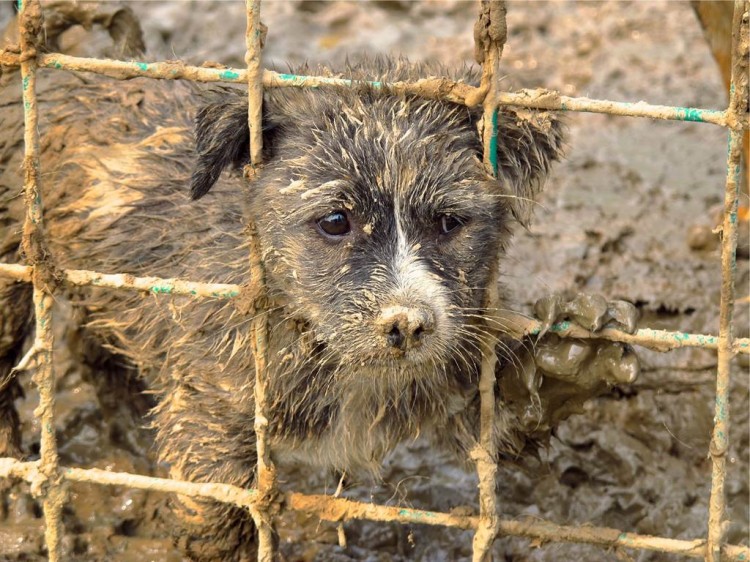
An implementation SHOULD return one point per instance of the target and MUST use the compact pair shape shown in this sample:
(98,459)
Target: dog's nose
(404,328)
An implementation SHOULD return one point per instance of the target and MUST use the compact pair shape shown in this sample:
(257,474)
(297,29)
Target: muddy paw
(551,377)
(586,363)
(592,312)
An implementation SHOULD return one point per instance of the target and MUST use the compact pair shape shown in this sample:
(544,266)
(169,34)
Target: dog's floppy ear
(528,142)
(222,138)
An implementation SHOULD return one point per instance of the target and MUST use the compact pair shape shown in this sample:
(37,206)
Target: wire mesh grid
(48,478)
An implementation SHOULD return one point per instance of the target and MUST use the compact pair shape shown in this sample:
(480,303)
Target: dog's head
(379,223)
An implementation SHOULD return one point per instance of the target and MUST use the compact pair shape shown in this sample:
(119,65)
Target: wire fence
(48,479)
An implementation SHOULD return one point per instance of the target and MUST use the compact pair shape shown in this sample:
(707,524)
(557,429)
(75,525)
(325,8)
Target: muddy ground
(613,219)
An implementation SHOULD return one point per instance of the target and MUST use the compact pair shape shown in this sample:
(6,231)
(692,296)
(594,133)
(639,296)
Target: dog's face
(380,225)
(382,230)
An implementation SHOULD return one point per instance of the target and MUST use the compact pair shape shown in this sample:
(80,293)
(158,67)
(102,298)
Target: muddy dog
(379,226)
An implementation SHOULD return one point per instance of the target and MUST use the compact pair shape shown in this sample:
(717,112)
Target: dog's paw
(551,378)
(592,312)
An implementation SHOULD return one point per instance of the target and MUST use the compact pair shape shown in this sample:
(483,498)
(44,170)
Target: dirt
(616,218)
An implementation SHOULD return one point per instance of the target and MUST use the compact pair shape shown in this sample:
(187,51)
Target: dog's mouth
(371,349)
(412,361)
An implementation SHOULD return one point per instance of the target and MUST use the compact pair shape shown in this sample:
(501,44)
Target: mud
(619,217)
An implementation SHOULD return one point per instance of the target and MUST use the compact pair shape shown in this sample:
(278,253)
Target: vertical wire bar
(49,485)
(484,453)
(259,329)
(720,437)
(490,34)
(490,117)
(254,81)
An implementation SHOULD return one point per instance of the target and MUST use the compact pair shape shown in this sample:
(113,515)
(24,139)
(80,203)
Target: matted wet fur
(373,332)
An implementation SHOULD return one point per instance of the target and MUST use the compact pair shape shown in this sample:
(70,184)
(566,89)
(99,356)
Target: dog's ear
(528,142)
(222,138)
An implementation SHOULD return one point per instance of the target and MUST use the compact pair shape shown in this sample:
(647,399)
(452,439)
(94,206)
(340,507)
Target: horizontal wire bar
(514,323)
(434,88)
(549,99)
(334,509)
(157,285)
(437,88)
(518,325)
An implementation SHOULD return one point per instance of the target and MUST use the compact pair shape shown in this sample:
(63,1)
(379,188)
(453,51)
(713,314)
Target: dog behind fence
(48,478)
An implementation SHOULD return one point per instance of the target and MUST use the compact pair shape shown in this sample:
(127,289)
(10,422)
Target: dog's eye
(449,223)
(335,225)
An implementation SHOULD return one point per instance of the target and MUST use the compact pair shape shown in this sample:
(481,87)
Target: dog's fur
(119,162)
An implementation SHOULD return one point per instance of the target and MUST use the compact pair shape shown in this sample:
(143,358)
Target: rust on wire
(720,437)
(47,485)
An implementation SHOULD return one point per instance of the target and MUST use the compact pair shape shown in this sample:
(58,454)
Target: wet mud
(628,214)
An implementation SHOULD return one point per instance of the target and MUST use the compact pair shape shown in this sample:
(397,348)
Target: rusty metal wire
(490,33)
(266,477)
(515,324)
(48,479)
(329,508)
(719,446)
(432,88)
(47,485)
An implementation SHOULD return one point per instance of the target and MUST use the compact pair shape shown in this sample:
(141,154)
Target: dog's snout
(404,327)
(395,337)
